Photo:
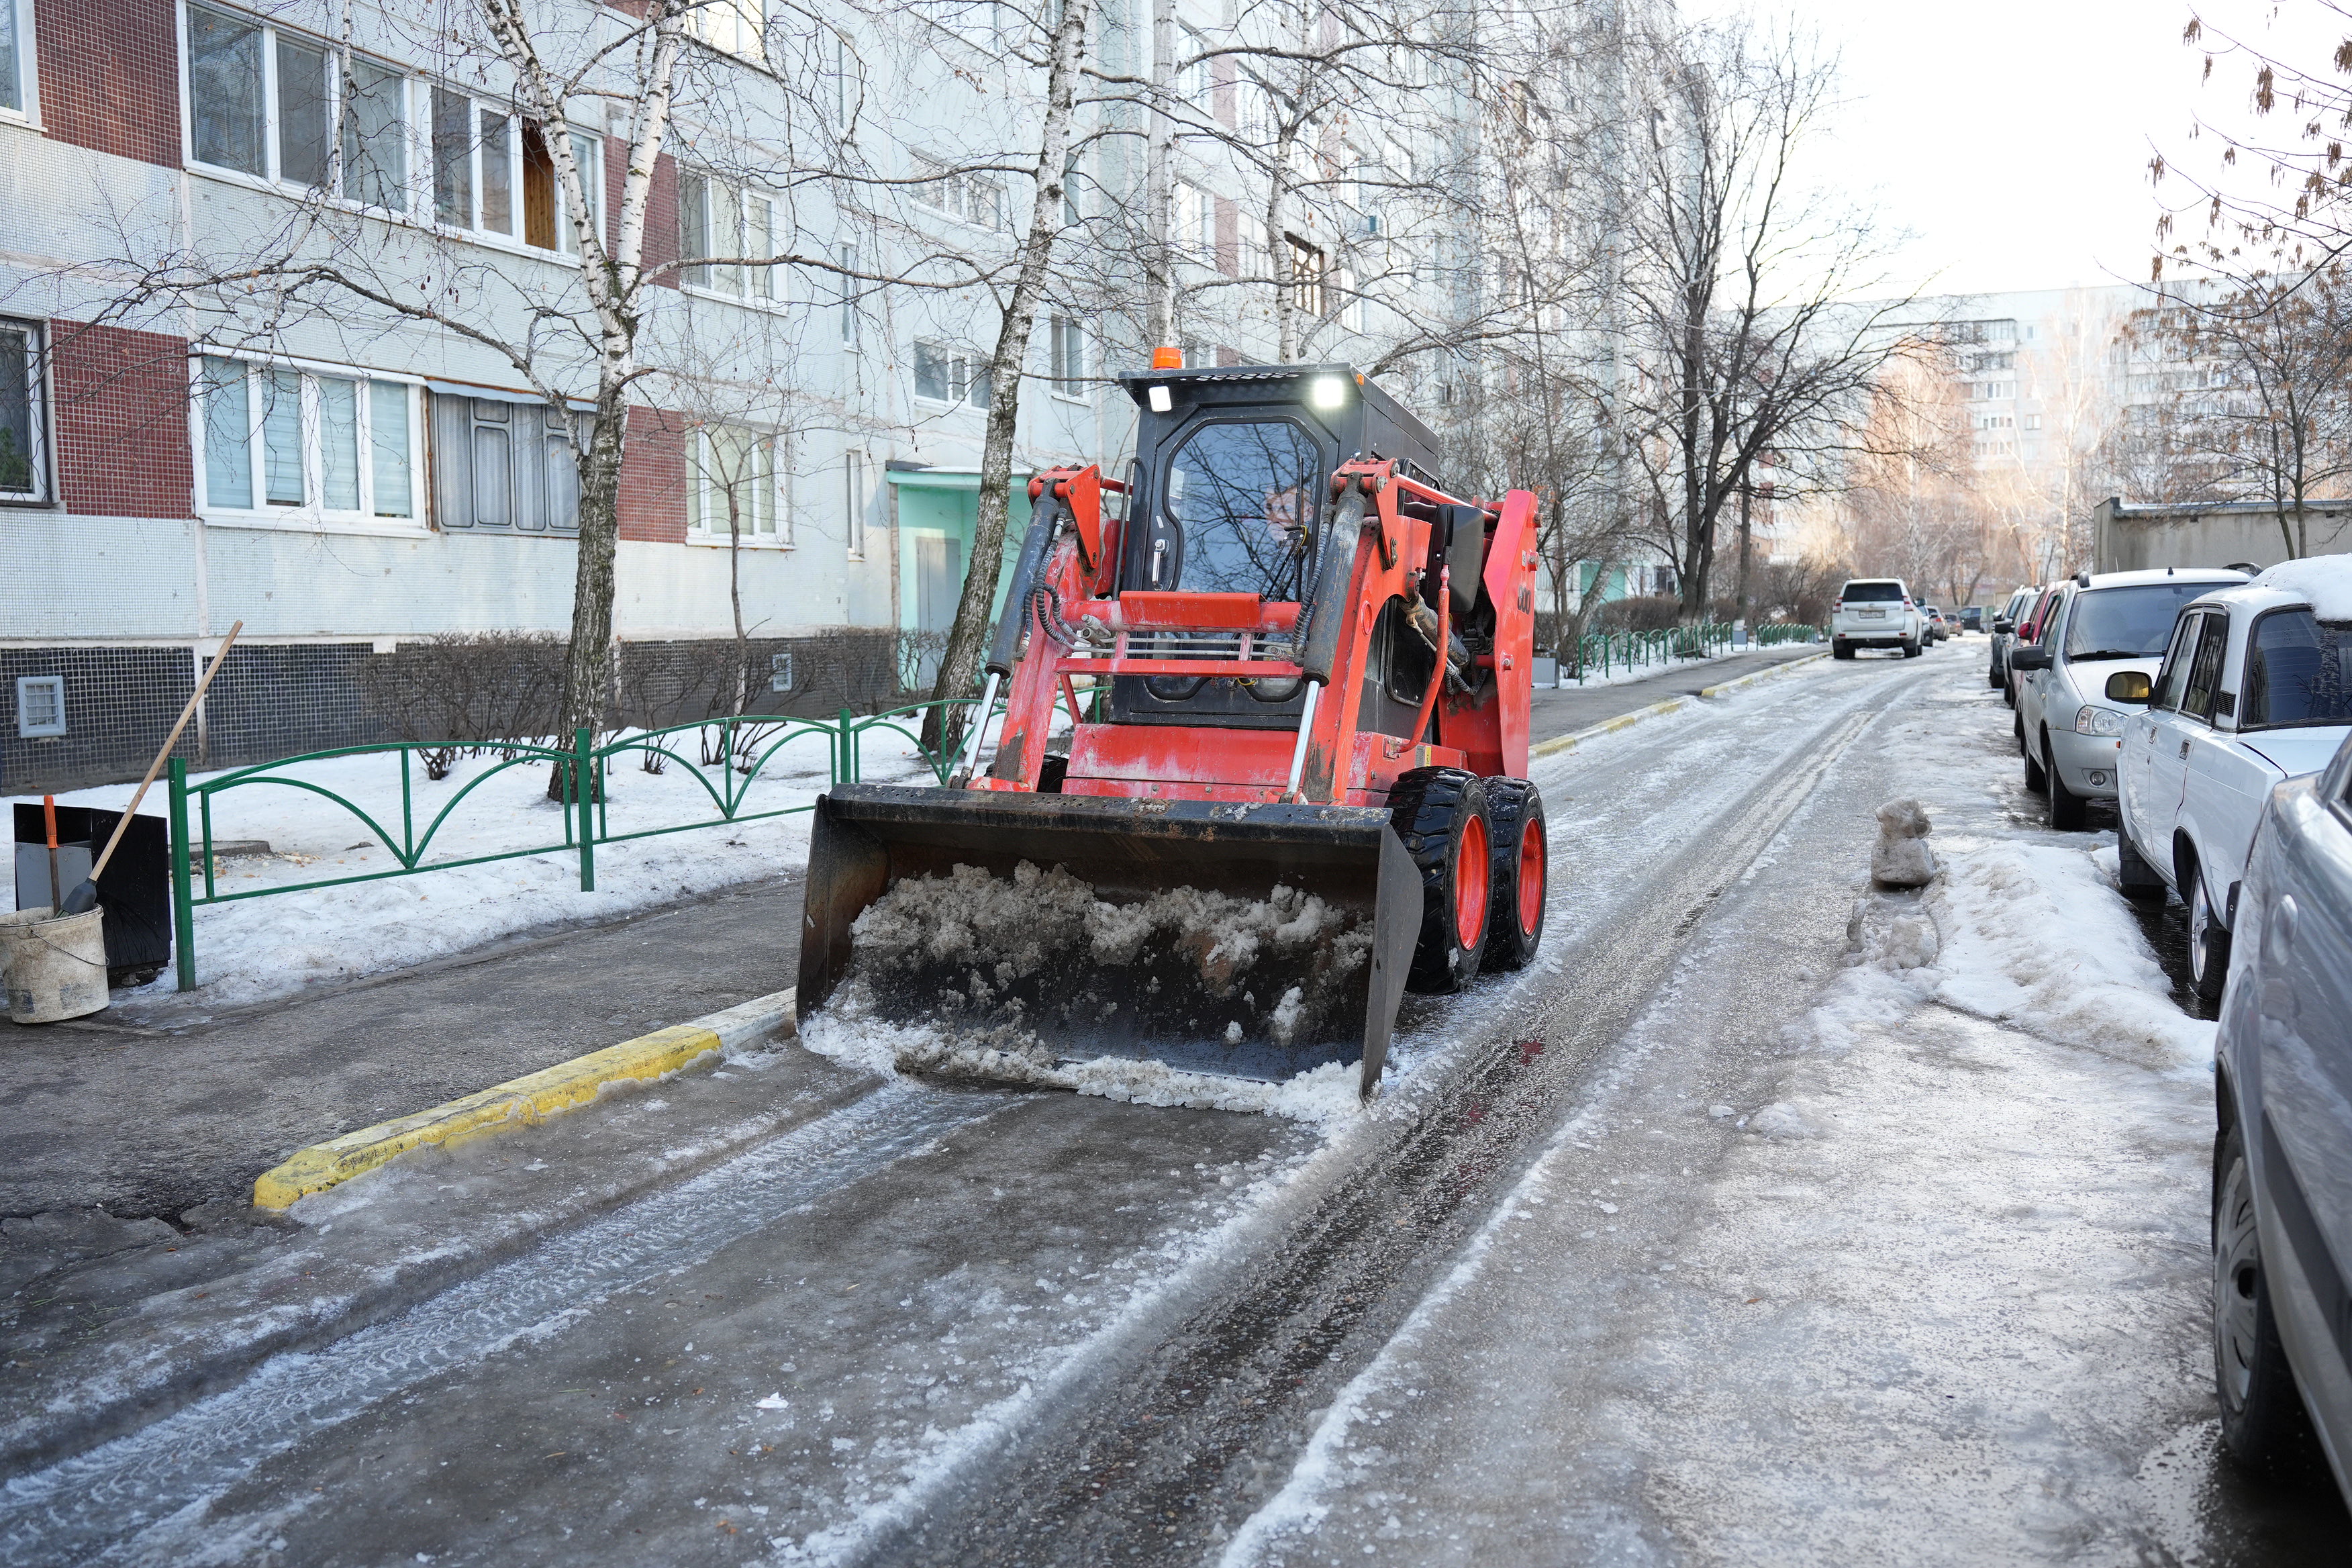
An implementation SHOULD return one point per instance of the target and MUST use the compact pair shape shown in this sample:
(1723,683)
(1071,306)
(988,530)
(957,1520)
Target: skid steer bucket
(1019,930)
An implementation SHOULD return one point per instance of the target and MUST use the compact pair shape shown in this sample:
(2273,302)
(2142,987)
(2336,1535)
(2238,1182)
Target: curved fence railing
(745,747)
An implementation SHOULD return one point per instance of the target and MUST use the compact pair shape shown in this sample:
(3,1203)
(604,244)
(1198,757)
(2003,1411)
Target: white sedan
(2254,689)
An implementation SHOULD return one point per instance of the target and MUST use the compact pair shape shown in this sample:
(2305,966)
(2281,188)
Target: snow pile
(1028,978)
(1901,857)
(2325,580)
(2034,935)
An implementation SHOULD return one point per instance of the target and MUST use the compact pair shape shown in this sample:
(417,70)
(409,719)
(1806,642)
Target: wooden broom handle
(168,741)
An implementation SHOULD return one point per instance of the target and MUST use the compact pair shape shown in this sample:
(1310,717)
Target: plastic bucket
(54,968)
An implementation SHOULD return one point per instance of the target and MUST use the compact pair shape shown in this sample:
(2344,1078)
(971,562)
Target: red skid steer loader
(1291,787)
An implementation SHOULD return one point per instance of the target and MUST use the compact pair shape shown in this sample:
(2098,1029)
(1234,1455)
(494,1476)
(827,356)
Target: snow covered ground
(1889,1249)
(253,949)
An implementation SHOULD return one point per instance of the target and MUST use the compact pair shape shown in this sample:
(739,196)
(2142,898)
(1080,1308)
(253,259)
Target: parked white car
(2256,687)
(2070,729)
(1876,612)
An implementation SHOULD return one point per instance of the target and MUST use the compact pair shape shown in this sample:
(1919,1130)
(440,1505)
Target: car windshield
(1871,593)
(1242,499)
(2127,623)
(2295,671)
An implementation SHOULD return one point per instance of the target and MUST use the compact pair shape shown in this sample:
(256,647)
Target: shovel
(84,897)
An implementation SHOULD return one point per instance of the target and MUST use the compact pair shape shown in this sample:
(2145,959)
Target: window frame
(2214,633)
(313,515)
(1068,383)
(28,111)
(769,295)
(2251,650)
(967,372)
(29,731)
(703,485)
(42,443)
(418,186)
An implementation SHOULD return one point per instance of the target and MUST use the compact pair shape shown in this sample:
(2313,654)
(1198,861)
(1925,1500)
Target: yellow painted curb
(1606,727)
(522,1103)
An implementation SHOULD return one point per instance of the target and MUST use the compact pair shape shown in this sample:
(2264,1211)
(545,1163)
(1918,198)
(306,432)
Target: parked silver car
(2070,728)
(2282,1149)
(2004,633)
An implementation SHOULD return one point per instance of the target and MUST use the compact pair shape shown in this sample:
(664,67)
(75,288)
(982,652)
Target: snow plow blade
(1019,930)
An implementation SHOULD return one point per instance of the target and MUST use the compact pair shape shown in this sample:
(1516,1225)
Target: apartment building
(347,482)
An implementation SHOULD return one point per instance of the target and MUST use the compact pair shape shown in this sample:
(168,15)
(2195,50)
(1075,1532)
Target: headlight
(2096,720)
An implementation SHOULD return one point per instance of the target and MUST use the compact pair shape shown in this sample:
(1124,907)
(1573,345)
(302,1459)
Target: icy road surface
(1745,1226)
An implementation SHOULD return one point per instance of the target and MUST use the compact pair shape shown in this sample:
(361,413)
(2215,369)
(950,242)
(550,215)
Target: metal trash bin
(136,890)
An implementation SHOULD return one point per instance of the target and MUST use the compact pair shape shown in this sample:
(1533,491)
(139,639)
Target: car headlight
(2097,721)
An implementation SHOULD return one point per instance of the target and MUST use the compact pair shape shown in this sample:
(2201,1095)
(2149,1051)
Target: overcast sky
(2012,137)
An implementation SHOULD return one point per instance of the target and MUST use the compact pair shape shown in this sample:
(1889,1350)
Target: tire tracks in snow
(1175,1439)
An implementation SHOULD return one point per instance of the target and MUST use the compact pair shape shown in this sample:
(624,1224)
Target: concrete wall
(2127,538)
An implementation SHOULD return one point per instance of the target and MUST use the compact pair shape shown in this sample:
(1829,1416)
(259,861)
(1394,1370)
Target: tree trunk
(1159,182)
(960,664)
(590,664)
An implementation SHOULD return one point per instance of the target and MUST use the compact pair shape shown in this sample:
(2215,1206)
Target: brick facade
(110,76)
(663,236)
(653,477)
(122,422)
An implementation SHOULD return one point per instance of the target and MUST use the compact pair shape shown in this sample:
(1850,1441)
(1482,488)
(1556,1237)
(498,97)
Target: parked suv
(2252,693)
(1971,617)
(1875,611)
(2282,1146)
(2069,727)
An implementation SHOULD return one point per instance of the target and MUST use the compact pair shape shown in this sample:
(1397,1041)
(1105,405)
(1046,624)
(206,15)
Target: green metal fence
(748,744)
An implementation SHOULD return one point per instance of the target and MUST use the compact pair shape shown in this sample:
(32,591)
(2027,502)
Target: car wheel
(2036,779)
(1911,649)
(1441,815)
(2069,812)
(2133,875)
(1840,650)
(1993,680)
(2264,1425)
(2208,940)
(1521,877)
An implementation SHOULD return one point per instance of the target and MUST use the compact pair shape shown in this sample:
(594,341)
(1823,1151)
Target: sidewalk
(147,1121)
(1572,707)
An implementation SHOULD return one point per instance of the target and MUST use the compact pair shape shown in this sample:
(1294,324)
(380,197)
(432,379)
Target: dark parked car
(1971,617)
(2005,634)
(2282,1152)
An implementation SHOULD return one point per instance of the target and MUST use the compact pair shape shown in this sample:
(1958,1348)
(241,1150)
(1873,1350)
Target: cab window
(2295,669)
(1241,499)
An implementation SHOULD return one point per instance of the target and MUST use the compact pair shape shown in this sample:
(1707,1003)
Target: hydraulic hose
(1027,573)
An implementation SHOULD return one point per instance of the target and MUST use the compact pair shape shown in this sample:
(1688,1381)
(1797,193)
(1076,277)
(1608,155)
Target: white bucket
(54,968)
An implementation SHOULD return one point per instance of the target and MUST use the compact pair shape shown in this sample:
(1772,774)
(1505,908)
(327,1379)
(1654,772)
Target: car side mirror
(2003,624)
(2030,658)
(2128,686)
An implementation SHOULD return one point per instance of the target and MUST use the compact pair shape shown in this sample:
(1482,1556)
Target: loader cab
(1232,495)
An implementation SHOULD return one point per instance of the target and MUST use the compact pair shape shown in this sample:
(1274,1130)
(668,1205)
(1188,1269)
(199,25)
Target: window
(505,463)
(1241,499)
(2033,422)
(40,706)
(282,106)
(721,220)
(731,493)
(1196,222)
(1195,78)
(1069,352)
(853,503)
(2127,623)
(944,374)
(2296,671)
(1306,269)
(17,75)
(1351,302)
(23,434)
(845,257)
(731,27)
(2205,667)
(780,672)
(839,68)
(1255,257)
(290,442)
(972,197)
